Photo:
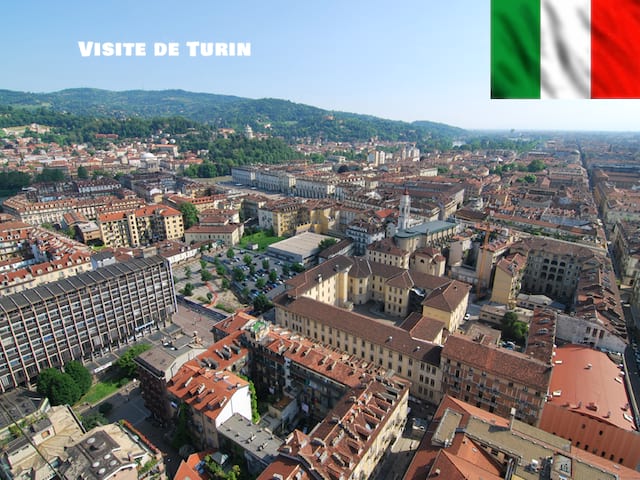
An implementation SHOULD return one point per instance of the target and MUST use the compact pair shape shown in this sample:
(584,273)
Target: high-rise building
(81,317)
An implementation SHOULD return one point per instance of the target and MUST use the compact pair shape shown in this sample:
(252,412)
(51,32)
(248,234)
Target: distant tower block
(405,210)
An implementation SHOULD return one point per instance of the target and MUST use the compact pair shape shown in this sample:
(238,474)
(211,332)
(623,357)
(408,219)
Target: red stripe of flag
(615,49)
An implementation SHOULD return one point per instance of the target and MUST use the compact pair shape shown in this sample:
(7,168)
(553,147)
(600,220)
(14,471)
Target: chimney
(512,417)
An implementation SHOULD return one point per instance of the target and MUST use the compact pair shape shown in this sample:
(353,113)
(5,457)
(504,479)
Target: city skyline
(416,61)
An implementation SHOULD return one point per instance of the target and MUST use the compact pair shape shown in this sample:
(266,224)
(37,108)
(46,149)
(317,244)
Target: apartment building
(364,233)
(626,250)
(37,213)
(351,440)
(212,397)
(495,379)
(379,344)
(157,366)
(315,187)
(553,267)
(82,316)
(244,175)
(145,225)
(284,217)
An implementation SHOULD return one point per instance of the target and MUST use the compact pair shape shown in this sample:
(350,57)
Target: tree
(326,243)
(273,276)
(50,175)
(530,178)
(187,291)
(252,269)
(93,420)
(285,270)
(298,267)
(536,165)
(220,270)
(126,362)
(231,254)
(58,387)
(513,329)
(265,264)
(209,296)
(225,284)
(260,283)
(189,214)
(238,274)
(247,259)
(203,263)
(205,275)
(80,374)
(187,272)
(83,173)
(261,303)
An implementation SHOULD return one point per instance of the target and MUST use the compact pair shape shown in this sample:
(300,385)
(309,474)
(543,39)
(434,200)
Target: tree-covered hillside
(277,117)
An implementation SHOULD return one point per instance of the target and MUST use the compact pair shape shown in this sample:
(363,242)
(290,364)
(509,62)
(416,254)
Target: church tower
(405,210)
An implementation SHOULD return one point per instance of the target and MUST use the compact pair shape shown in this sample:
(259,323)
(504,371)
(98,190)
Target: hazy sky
(405,60)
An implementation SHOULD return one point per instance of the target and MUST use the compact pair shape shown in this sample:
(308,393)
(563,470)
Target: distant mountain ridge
(280,117)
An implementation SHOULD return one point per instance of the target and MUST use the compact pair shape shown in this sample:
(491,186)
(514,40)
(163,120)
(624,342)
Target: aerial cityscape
(269,241)
(286,292)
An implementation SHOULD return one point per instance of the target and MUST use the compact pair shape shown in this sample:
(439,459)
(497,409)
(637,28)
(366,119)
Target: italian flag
(565,48)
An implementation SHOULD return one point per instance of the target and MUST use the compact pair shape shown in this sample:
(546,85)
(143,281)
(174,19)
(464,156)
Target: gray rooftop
(61,287)
(18,404)
(260,442)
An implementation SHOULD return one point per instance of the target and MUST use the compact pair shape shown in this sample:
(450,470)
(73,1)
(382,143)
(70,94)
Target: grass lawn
(102,389)
(261,239)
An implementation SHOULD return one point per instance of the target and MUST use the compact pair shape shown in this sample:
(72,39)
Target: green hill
(279,117)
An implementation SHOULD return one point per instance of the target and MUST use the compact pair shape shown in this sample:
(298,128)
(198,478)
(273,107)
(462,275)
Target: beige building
(464,442)
(316,304)
(447,304)
(385,251)
(229,234)
(284,218)
(507,279)
(145,225)
(428,260)
(377,343)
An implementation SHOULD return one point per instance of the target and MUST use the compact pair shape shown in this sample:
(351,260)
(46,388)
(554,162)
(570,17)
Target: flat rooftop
(303,244)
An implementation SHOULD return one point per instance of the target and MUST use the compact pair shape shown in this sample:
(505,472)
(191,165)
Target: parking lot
(262,274)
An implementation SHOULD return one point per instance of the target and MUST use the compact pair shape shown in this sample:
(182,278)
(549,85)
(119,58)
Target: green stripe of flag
(515,48)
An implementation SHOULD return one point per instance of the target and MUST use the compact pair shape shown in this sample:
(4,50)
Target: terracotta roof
(378,333)
(187,469)
(500,362)
(422,328)
(229,228)
(587,382)
(448,297)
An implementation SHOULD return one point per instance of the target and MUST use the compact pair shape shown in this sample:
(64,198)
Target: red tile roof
(587,382)
(500,362)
